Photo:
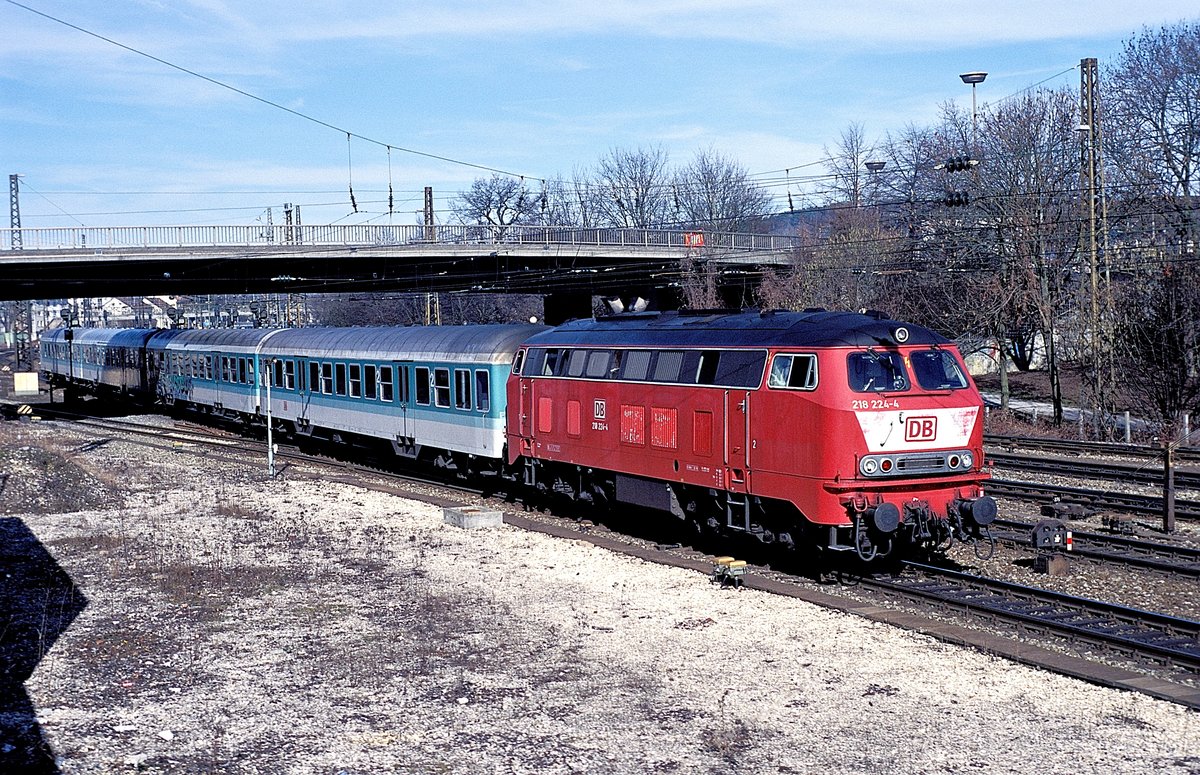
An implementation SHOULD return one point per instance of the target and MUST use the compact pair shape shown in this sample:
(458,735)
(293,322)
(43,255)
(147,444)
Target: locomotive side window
(518,361)
(937,370)
(576,363)
(636,365)
(552,363)
(874,372)
(668,365)
(597,364)
(422,374)
(798,372)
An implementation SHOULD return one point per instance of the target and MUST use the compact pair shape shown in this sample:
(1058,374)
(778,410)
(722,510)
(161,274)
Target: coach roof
(738,329)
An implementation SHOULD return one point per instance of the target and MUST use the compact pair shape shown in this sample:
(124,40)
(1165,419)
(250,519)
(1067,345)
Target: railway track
(1096,500)
(1172,559)
(1098,448)
(1143,636)
(1141,473)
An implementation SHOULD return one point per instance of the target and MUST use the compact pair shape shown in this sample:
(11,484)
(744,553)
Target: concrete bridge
(288,258)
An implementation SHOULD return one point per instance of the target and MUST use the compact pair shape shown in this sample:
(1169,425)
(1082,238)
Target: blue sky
(104,137)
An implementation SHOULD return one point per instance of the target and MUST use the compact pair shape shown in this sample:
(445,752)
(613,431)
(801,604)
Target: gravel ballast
(226,623)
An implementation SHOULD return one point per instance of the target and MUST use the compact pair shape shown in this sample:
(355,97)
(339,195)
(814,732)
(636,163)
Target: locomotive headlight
(953,461)
(968,460)
(869,466)
(885,464)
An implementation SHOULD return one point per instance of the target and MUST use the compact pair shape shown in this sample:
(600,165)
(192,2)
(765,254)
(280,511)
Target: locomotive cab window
(876,372)
(937,370)
(518,361)
(797,372)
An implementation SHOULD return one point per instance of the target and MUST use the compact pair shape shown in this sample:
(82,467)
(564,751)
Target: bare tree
(1156,339)
(1154,132)
(633,188)
(714,192)
(499,201)
(847,166)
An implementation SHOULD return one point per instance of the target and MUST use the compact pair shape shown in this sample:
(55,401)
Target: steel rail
(1164,639)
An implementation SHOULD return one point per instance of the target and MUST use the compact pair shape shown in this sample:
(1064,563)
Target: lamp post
(974,79)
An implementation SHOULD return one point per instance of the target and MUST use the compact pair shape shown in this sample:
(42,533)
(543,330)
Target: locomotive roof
(738,329)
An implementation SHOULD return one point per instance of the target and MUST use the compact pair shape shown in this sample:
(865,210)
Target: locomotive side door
(737,439)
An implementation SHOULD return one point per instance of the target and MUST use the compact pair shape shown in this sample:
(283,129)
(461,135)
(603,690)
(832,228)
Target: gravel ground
(165,619)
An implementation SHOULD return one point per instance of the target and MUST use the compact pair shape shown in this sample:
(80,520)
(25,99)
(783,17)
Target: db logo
(920,429)
(599,410)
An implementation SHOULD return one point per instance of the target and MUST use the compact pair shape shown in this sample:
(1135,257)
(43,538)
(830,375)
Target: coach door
(404,398)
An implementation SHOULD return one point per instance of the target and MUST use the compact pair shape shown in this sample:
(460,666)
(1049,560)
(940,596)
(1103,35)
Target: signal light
(959,163)
(957,199)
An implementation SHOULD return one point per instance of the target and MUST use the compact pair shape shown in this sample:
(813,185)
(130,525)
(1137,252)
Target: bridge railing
(100,239)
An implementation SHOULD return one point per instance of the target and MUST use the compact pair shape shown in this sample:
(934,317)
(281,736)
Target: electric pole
(1094,229)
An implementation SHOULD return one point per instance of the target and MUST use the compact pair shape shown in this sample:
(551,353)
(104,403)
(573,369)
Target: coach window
(369,382)
(386,392)
(636,365)
(405,392)
(483,400)
(441,388)
(422,375)
(289,375)
(355,380)
(314,376)
(937,370)
(249,371)
(339,379)
(798,372)
(462,389)
(876,372)
(327,378)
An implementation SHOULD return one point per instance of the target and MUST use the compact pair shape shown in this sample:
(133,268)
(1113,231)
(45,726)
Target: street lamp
(974,79)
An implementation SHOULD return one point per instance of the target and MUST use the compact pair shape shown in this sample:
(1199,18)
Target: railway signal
(957,199)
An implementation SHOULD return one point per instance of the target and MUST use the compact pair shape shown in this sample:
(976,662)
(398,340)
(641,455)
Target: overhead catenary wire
(250,95)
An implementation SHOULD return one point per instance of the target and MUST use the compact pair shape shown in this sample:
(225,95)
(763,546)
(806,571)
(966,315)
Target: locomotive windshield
(876,372)
(937,370)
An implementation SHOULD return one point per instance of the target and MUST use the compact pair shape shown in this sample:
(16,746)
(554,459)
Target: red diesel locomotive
(849,431)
